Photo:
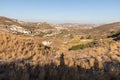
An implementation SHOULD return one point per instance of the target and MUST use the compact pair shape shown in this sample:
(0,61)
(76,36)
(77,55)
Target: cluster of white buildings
(20,29)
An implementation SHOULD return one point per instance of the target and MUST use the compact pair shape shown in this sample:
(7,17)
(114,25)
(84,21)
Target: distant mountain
(77,25)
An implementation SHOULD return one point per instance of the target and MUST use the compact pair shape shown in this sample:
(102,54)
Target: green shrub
(112,32)
(83,46)
(77,47)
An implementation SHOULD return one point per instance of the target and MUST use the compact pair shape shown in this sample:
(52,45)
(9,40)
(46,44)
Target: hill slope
(29,25)
(8,21)
(105,30)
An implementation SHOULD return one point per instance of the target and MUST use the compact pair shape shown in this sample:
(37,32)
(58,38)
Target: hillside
(36,27)
(20,53)
(8,21)
(106,29)
(29,25)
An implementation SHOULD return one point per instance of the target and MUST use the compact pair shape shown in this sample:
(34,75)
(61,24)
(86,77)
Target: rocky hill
(28,25)
(105,30)
(8,21)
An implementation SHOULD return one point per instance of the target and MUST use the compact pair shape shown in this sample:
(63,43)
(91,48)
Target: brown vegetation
(8,21)
(4,21)
(25,58)
(105,30)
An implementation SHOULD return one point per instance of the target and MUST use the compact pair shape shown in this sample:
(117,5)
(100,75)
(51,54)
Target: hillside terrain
(64,30)
(105,30)
(41,51)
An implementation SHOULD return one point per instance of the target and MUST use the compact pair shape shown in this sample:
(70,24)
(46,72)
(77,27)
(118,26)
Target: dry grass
(24,58)
(20,47)
(14,47)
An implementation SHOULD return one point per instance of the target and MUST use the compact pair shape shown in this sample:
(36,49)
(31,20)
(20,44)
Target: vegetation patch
(83,46)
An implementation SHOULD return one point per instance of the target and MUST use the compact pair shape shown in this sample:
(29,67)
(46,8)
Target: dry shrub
(24,58)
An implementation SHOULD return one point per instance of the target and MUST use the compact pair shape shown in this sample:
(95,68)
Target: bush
(77,47)
(83,46)
(41,34)
(112,32)
(89,37)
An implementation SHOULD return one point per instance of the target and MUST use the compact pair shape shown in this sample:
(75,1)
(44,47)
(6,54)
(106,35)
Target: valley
(80,50)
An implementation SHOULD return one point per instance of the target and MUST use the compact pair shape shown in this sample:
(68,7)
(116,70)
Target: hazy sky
(76,11)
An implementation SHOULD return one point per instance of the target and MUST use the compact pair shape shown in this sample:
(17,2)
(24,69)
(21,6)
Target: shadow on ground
(115,37)
(28,71)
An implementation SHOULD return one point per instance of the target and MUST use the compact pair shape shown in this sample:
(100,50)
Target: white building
(20,29)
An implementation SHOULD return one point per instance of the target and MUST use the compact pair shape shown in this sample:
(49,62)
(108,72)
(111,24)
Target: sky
(62,11)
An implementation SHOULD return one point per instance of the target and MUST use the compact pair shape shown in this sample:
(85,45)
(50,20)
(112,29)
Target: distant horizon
(55,22)
(62,22)
(62,11)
